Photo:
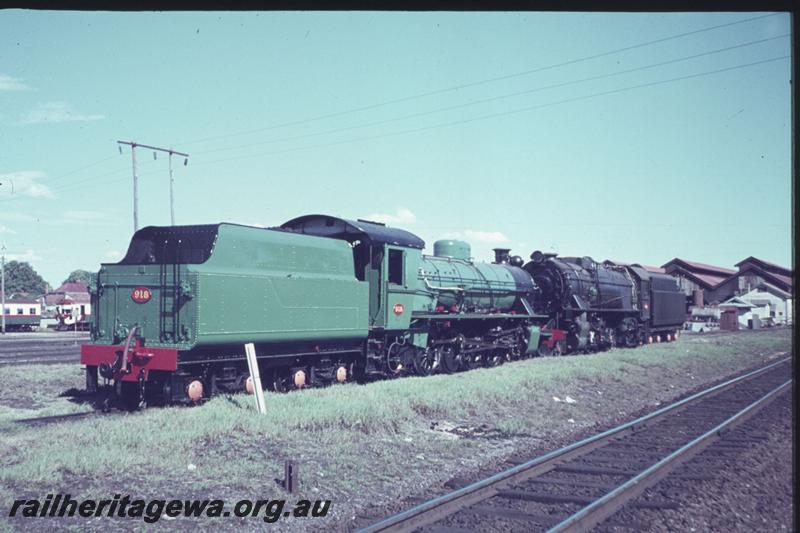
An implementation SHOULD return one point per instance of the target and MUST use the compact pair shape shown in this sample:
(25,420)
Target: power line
(503,113)
(66,186)
(71,172)
(480,82)
(459,122)
(77,184)
(439,91)
(51,179)
(494,98)
(69,186)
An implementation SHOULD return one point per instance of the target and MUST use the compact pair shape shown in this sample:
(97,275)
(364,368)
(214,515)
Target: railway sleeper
(438,528)
(514,514)
(571,483)
(580,500)
(613,454)
(594,470)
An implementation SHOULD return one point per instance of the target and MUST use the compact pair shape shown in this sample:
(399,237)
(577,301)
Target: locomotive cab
(386,258)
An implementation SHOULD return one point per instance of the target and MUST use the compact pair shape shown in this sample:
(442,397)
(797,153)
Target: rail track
(581,485)
(47,350)
(42,420)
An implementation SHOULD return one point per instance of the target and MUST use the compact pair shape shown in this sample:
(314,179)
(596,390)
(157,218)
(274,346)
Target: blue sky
(634,137)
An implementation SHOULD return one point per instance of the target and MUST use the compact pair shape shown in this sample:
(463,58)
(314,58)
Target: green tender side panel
(271,286)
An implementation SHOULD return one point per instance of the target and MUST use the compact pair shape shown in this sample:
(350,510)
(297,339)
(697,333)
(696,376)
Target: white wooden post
(252,364)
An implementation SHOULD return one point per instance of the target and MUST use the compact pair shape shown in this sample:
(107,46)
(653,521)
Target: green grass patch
(353,441)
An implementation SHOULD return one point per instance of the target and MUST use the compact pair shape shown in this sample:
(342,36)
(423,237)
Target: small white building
(770,304)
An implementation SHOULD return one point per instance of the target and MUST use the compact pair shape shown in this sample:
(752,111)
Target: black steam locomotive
(600,306)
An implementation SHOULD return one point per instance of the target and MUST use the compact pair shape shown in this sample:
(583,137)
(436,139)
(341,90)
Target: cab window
(396,267)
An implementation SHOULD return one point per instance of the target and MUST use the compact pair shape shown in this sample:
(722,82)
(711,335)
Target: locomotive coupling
(120,365)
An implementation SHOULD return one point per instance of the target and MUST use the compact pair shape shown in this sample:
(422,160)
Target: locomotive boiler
(474,313)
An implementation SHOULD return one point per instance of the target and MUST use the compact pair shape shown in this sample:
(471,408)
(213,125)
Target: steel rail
(71,358)
(418,515)
(55,418)
(607,505)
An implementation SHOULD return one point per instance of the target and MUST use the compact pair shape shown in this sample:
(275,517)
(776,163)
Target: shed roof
(77,298)
(766,265)
(736,302)
(707,281)
(781,281)
(694,266)
(76,286)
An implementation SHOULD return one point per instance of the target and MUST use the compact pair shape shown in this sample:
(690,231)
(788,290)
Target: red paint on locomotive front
(139,358)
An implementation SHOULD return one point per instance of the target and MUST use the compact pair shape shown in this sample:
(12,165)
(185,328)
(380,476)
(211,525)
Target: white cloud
(469,235)
(29,257)
(14,217)
(7,83)
(51,112)
(401,216)
(114,255)
(486,236)
(24,183)
(6,229)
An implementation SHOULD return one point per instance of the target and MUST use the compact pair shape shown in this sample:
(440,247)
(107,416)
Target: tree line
(22,279)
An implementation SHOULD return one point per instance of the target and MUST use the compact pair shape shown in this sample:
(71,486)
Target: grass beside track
(355,444)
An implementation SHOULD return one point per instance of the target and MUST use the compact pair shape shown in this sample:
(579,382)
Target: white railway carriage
(22,315)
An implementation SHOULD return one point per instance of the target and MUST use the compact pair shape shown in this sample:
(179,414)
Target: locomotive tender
(324,299)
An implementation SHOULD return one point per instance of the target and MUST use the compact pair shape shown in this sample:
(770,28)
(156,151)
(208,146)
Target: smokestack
(501,255)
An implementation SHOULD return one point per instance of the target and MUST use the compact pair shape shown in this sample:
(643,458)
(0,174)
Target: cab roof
(351,230)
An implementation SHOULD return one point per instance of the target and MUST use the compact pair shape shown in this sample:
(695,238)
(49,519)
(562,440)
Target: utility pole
(171,196)
(155,149)
(3,287)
